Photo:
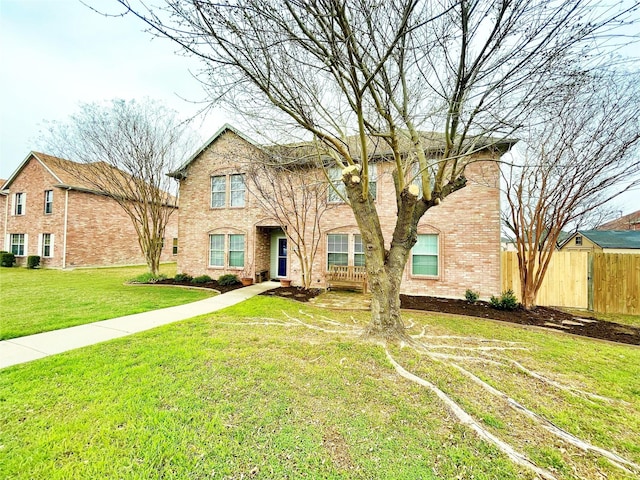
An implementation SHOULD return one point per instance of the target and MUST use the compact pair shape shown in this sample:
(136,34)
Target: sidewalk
(32,347)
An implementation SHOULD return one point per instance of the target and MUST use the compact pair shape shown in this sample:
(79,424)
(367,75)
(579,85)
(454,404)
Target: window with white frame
(18,203)
(417,177)
(17,241)
(373,180)
(216,250)
(338,191)
(337,249)
(236,251)
(424,256)
(358,251)
(48,201)
(236,187)
(47,245)
(218,191)
(229,247)
(237,190)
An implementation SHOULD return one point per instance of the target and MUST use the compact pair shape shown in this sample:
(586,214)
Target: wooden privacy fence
(603,282)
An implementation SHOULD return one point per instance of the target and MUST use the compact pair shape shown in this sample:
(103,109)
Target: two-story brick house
(223,229)
(51,213)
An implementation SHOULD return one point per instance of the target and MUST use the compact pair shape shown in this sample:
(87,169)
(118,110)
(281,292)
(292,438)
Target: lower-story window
(17,244)
(424,256)
(337,249)
(47,245)
(345,249)
(230,247)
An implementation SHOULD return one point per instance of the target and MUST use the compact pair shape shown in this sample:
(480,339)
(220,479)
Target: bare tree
(294,193)
(384,73)
(584,152)
(125,150)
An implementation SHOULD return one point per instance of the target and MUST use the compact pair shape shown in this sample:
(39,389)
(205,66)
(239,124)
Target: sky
(56,54)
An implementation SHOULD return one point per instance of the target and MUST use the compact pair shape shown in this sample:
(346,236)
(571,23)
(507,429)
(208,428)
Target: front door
(282,257)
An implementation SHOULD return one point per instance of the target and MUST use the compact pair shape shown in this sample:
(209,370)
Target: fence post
(590,282)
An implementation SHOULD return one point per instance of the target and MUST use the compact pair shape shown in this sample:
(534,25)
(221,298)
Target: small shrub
(7,259)
(183,277)
(201,279)
(33,261)
(228,279)
(471,296)
(506,301)
(148,278)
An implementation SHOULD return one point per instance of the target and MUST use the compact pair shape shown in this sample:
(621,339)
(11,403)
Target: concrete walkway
(32,347)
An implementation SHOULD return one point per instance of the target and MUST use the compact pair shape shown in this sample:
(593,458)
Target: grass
(35,301)
(215,397)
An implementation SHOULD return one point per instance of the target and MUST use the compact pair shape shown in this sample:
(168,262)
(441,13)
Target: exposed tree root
(615,459)
(485,354)
(466,419)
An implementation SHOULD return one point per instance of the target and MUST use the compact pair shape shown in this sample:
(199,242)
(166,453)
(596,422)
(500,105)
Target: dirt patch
(294,293)
(540,316)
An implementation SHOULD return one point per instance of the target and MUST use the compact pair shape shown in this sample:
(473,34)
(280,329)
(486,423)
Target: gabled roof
(78,176)
(433,141)
(179,173)
(630,221)
(612,238)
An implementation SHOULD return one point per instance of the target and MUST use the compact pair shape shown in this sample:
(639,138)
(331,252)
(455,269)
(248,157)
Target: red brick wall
(468,224)
(98,231)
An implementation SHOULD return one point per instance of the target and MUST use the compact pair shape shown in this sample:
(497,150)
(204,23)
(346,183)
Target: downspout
(64,234)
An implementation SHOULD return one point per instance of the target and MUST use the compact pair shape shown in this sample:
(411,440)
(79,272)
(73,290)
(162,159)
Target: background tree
(295,195)
(382,73)
(126,149)
(583,152)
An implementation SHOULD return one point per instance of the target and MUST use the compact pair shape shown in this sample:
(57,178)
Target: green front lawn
(249,392)
(34,301)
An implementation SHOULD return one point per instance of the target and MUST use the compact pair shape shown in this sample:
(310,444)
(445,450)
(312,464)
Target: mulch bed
(214,285)
(539,317)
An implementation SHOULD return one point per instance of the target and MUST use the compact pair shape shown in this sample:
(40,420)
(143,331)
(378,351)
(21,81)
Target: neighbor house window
(337,249)
(218,191)
(358,251)
(47,245)
(578,240)
(338,191)
(17,244)
(48,201)
(231,245)
(237,190)
(236,251)
(424,256)
(216,250)
(18,204)
(175,246)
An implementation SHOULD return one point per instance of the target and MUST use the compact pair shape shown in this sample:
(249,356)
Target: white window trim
(439,259)
(23,203)
(226,252)
(351,248)
(41,245)
(25,244)
(45,202)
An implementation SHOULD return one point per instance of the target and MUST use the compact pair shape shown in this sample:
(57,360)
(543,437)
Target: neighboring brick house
(630,221)
(49,212)
(222,228)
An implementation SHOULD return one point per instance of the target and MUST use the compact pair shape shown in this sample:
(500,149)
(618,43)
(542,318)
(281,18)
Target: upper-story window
(338,192)
(18,203)
(236,189)
(578,240)
(48,201)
